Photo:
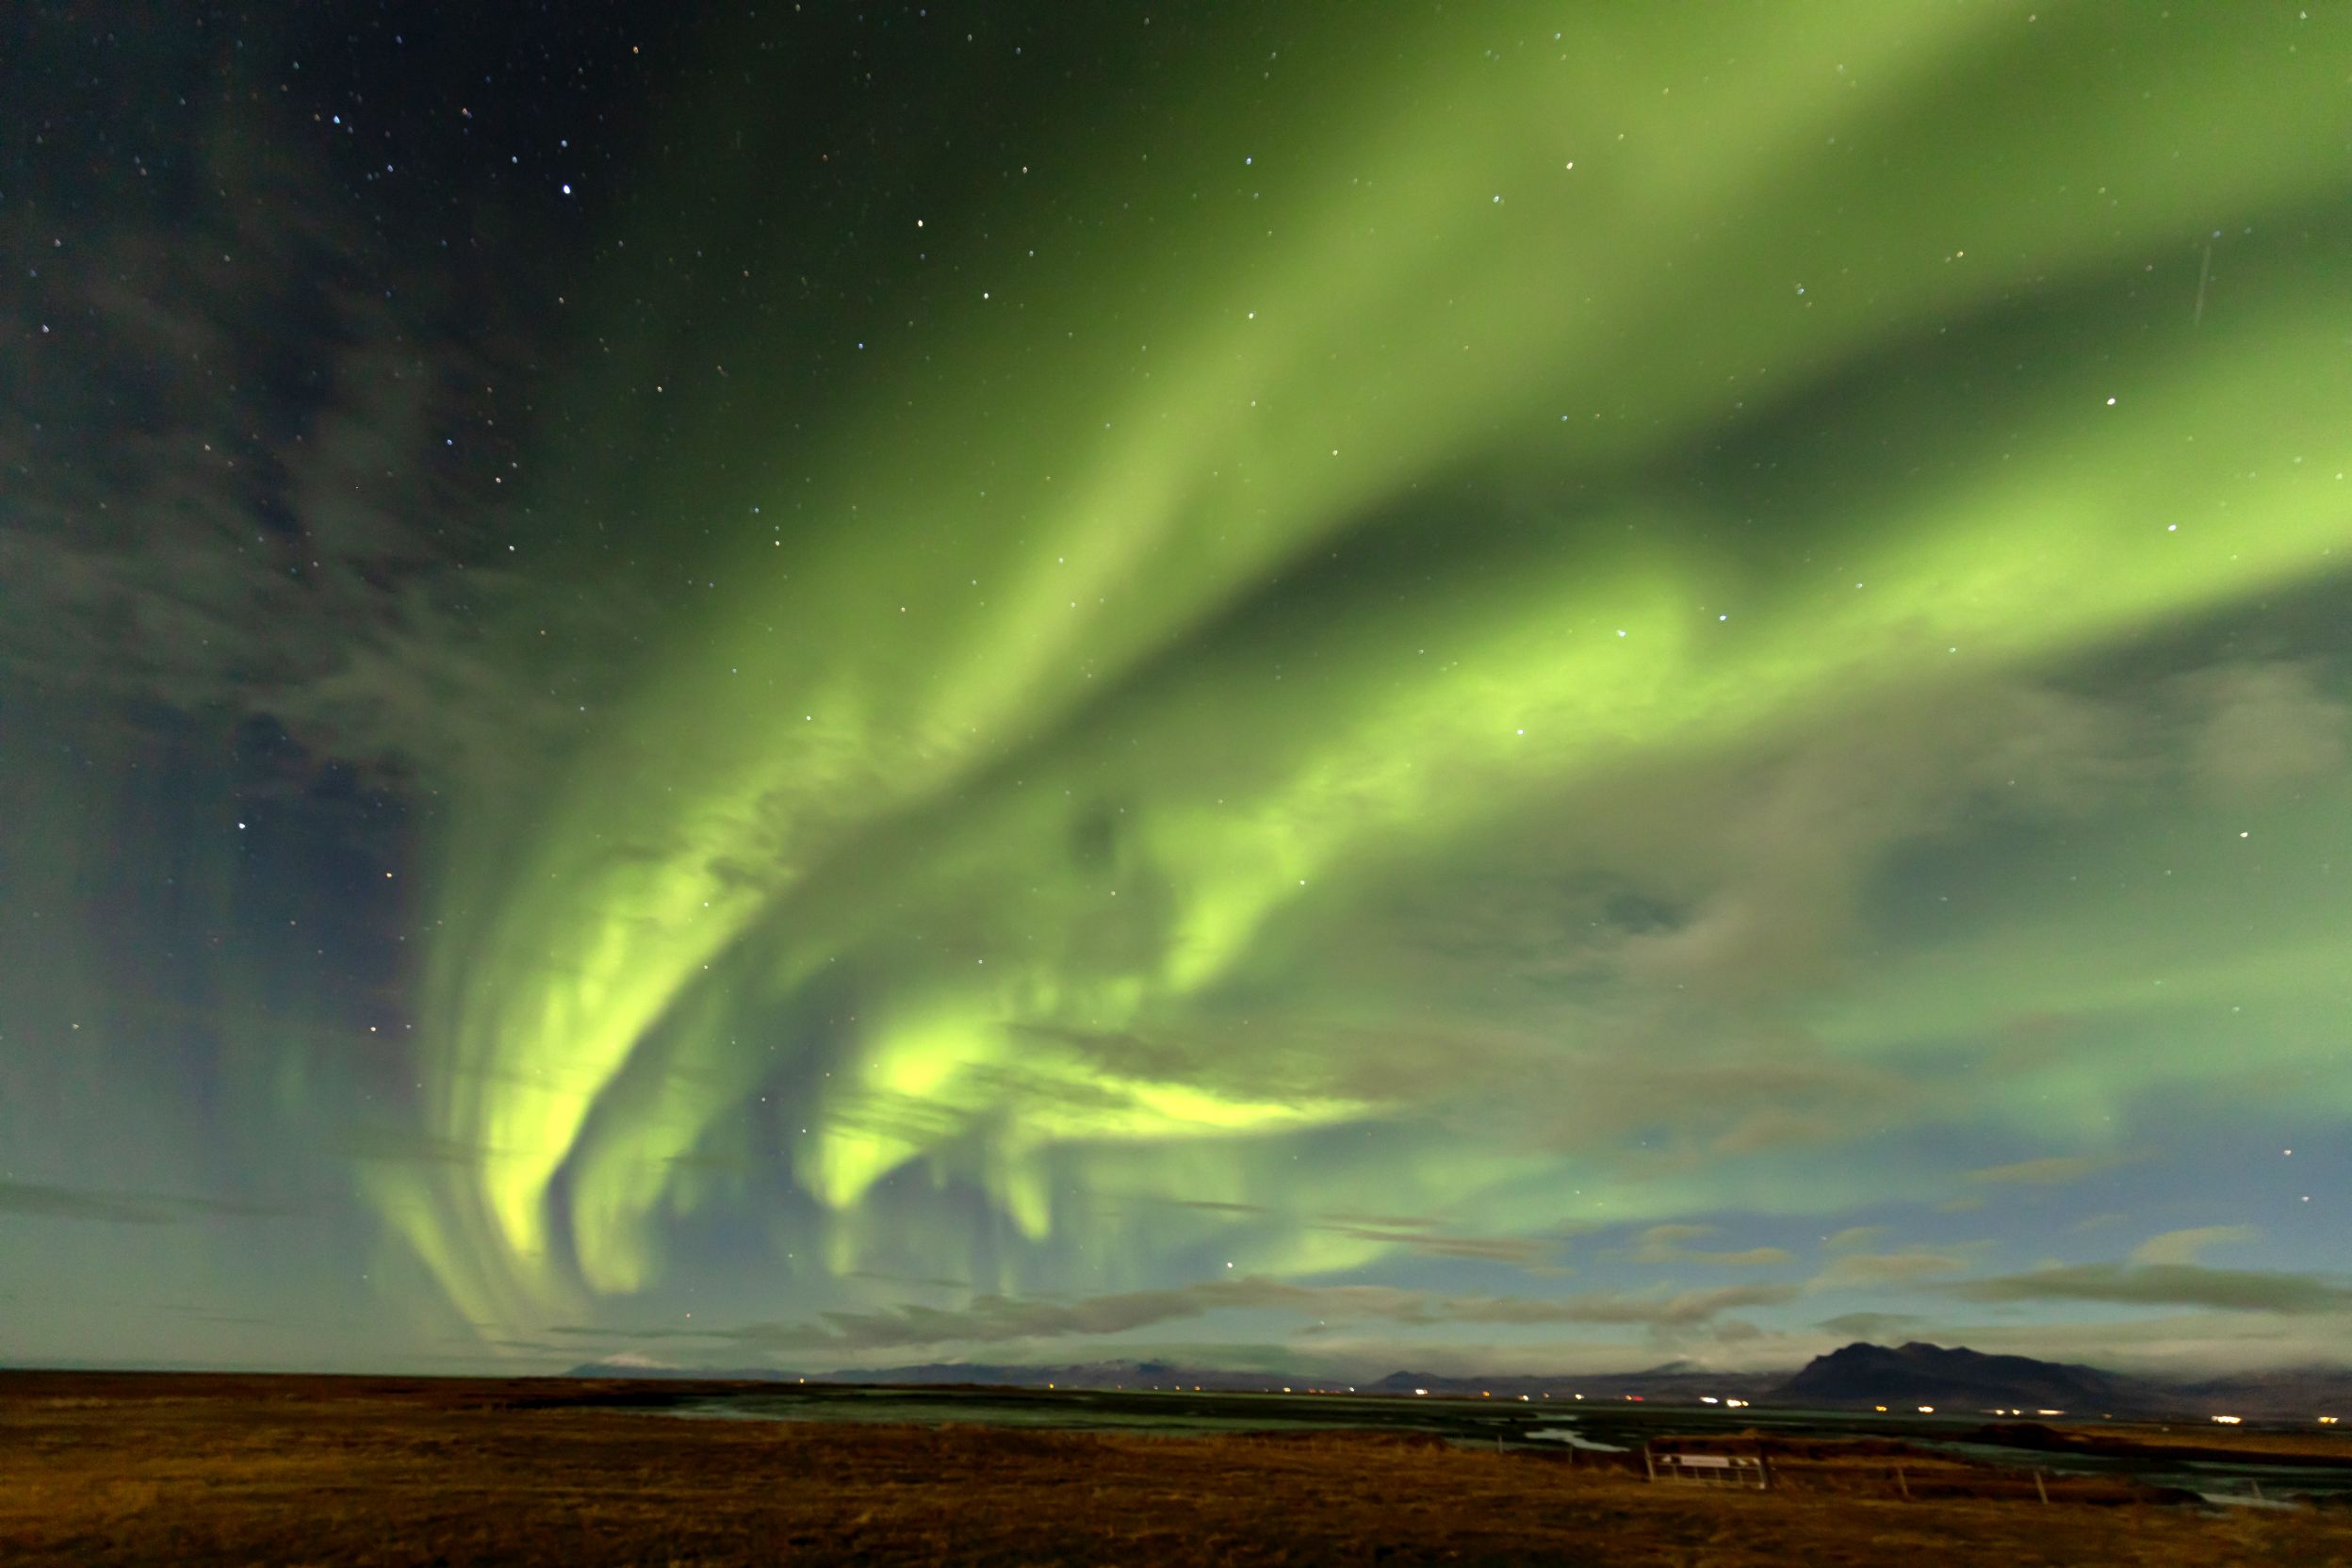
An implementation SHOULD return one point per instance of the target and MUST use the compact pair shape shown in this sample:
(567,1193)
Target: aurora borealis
(1501,686)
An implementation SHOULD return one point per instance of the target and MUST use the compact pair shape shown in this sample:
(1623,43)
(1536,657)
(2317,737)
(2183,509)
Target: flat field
(100,1469)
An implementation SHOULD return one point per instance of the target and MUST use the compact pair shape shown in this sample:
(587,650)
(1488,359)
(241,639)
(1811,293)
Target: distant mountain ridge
(1922,1374)
(1102,1374)
(1674,1379)
(1955,1380)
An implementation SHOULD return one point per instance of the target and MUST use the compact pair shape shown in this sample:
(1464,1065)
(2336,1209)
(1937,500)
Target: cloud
(2182,1247)
(1793,837)
(2165,1284)
(38,1200)
(885,1277)
(1861,1270)
(1852,1237)
(1651,910)
(2058,1170)
(1426,1239)
(2255,728)
(1001,1320)
(1877,1326)
(636,1360)
(370,1141)
(2191,1343)
(288,536)
(34,1200)
(1424,1235)
(1690,1307)
(1662,1243)
(1646,915)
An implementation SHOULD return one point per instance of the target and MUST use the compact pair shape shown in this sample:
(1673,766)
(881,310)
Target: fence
(1741,1470)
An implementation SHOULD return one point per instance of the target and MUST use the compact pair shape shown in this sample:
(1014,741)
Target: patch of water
(1575,1440)
(2215,1480)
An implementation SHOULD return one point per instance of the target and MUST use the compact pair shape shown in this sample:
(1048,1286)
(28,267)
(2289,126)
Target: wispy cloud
(2183,1247)
(2057,1170)
(329,560)
(1879,1326)
(1663,1244)
(380,1141)
(1000,1319)
(2257,728)
(1854,1237)
(1435,1240)
(1428,1236)
(1854,1270)
(40,1201)
(2167,1285)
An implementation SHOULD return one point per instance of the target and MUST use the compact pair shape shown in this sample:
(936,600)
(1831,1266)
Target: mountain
(1680,1381)
(1106,1374)
(2285,1394)
(1956,1381)
(1676,1382)
(1917,1374)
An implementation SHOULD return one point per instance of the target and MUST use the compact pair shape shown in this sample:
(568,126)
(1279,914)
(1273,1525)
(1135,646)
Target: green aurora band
(1291,501)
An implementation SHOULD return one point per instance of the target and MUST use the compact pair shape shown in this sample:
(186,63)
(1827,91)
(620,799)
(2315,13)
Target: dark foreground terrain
(137,1469)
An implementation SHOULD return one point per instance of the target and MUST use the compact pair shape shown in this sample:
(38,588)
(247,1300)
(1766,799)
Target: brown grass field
(2334,1446)
(167,1469)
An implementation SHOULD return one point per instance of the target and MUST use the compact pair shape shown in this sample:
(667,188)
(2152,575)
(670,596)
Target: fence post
(2258,1489)
(2042,1489)
(1648,1464)
(1764,1467)
(1901,1485)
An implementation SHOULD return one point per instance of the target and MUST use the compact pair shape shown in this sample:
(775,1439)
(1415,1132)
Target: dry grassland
(327,1471)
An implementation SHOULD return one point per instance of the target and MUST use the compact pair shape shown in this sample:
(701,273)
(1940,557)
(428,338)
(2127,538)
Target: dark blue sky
(1521,688)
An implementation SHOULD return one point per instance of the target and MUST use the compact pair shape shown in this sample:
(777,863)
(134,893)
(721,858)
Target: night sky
(1327,686)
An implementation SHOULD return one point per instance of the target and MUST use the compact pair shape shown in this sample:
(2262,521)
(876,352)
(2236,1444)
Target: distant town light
(2326,1420)
(1709,1399)
(1927,1410)
(2230,1420)
(1420,1391)
(1737,1404)
(2050,1412)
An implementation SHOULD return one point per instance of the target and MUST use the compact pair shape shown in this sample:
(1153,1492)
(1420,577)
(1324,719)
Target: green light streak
(1013,614)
